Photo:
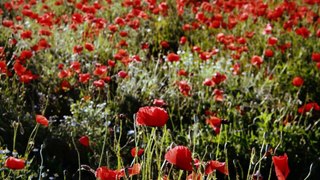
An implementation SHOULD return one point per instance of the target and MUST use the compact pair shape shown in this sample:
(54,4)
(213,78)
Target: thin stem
(41,165)
(78,155)
(104,143)
(31,138)
(15,130)
(253,152)
(310,169)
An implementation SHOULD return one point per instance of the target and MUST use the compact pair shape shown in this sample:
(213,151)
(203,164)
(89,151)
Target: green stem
(31,139)
(41,165)
(15,130)
(104,144)
(78,155)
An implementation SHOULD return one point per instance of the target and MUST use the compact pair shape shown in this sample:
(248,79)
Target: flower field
(160,89)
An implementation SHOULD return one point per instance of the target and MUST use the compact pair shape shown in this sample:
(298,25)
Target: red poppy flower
(19,69)
(304,32)
(84,140)
(208,82)
(194,176)
(172,57)
(84,78)
(45,32)
(77,18)
(315,57)
(205,55)
(122,74)
(281,166)
(14,163)
(196,49)
(7,23)
(241,40)
(136,151)
(89,46)
(65,85)
(184,88)
(134,170)
(214,123)
(219,78)
(100,70)
(182,72)
(218,95)
(103,173)
(77,49)
(43,44)
(180,156)
(25,54)
(26,34)
(134,24)
(145,45)
(272,41)
(297,81)
(123,33)
(236,69)
(268,53)
(216,165)
(152,116)
(3,67)
(267,29)
(183,40)
(27,77)
(159,102)
(76,66)
(42,120)
(256,61)
(65,74)
(113,28)
(164,44)
(99,83)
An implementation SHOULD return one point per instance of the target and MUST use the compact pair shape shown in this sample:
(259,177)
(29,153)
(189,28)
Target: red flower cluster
(181,157)
(308,107)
